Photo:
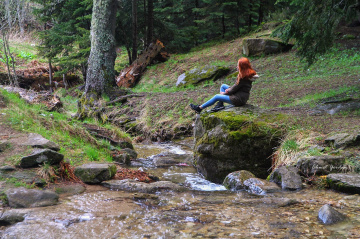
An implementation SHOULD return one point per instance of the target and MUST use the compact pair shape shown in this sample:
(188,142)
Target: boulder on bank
(123,156)
(26,176)
(260,186)
(321,165)
(344,182)
(240,138)
(37,141)
(287,177)
(94,173)
(197,75)
(136,186)
(260,46)
(235,180)
(329,215)
(40,156)
(25,198)
(343,140)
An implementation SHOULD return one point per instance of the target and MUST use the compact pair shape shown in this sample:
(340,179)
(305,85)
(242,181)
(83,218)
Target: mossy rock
(240,138)
(93,173)
(200,74)
(235,180)
(343,182)
(263,46)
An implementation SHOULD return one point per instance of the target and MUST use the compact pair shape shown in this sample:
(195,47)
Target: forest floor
(286,85)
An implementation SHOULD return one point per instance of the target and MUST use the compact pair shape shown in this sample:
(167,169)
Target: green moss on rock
(240,139)
(200,74)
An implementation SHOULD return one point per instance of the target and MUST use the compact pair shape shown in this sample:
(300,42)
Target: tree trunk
(130,76)
(100,73)
(145,27)
(84,71)
(223,25)
(261,15)
(150,32)
(7,58)
(237,23)
(134,29)
(8,13)
(50,75)
(100,77)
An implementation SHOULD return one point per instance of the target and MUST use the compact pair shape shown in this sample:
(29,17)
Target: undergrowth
(77,144)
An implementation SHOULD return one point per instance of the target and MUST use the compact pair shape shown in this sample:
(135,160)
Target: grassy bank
(77,144)
(285,85)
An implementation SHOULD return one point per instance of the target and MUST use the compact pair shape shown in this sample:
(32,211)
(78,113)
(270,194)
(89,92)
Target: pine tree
(65,38)
(313,25)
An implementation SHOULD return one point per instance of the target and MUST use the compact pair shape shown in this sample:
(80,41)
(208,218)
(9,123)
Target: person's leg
(218,97)
(224,87)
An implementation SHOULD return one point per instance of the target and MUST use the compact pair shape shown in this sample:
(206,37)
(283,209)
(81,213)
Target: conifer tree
(65,38)
(313,25)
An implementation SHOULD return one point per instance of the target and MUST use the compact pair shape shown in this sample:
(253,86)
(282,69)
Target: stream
(206,210)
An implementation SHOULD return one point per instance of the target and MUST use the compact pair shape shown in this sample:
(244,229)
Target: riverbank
(194,213)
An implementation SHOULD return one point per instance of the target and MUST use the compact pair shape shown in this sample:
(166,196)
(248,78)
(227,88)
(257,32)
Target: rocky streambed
(195,208)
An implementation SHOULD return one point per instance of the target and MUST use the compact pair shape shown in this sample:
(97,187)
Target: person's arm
(233,89)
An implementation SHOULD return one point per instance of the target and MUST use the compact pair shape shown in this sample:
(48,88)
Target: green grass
(315,98)
(18,183)
(290,144)
(76,142)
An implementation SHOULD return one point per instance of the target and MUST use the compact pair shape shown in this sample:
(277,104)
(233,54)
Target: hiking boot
(218,106)
(196,108)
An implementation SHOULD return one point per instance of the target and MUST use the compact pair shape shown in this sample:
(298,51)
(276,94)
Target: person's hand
(223,93)
(226,91)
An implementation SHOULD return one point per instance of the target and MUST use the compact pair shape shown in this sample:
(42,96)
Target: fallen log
(130,76)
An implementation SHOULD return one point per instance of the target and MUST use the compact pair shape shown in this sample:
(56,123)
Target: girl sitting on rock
(238,94)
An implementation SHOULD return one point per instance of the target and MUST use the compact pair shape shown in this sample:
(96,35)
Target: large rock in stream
(12,216)
(287,177)
(344,182)
(24,198)
(135,186)
(94,173)
(240,138)
(235,180)
(329,215)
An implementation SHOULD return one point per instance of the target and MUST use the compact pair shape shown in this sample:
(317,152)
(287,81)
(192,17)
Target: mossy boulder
(94,173)
(320,165)
(260,186)
(263,46)
(343,140)
(287,177)
(235,180)
(197,75)
(240,138)
(344,182)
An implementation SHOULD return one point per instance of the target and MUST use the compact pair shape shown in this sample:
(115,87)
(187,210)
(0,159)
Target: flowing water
(206,210)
